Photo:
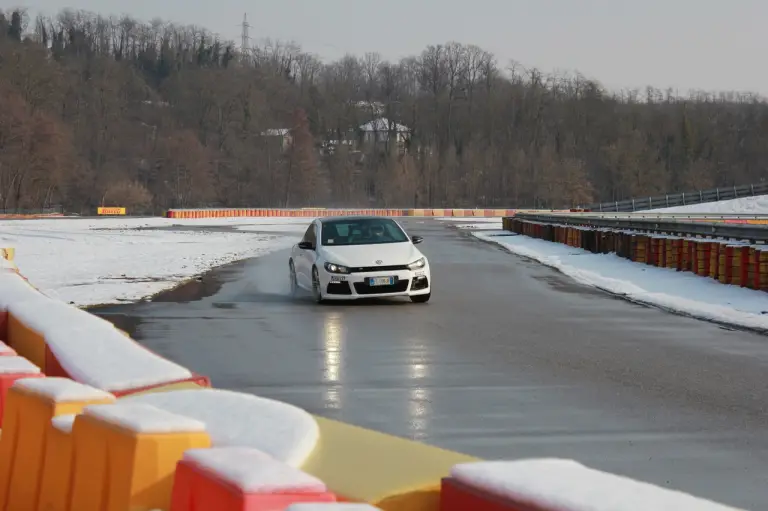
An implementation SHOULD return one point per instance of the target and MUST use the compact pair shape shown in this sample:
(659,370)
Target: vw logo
(379,261)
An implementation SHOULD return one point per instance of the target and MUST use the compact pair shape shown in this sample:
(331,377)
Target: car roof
(351,217)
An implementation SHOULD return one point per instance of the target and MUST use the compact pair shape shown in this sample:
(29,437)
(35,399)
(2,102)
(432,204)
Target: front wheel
(294,283)
(421,298)
(316,292)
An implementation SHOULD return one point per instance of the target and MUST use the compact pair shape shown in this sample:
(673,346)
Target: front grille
(339,288)
(363,288)
(370,269)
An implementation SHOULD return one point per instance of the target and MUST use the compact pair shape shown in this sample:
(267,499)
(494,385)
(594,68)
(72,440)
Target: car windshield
(362,231)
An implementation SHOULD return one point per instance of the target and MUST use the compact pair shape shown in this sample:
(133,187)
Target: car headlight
(336,268)
(417,265)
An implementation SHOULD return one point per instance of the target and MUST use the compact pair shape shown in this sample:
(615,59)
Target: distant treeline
(103,110)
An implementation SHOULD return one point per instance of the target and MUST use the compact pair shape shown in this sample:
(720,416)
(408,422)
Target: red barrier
(14,368)
(457,496)
(218,478)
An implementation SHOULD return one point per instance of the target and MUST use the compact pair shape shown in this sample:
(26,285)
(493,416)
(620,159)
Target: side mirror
(417,239)
(306,245)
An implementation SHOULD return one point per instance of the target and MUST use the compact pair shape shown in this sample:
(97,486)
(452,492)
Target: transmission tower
(244,37)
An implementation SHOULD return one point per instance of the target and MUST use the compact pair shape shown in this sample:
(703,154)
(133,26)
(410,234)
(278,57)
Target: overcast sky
(703,44)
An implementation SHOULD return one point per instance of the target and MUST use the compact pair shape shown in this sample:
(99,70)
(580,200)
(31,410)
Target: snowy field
(111,260)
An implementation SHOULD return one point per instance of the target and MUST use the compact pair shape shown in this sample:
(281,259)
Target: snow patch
(253,471)
(90,261)
(144,419)
(757,205)
(17,365)
(682,292)
(571,486)
(62,390)
(285,432)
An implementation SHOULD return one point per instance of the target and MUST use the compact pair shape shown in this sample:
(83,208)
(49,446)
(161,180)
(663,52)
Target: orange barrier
(124,456)
(322,212)
(31,404)
(720,260)
(23,217)
(56,473)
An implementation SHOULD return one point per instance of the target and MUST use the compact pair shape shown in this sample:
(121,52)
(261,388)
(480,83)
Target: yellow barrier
(111,211)
(28,343)
(134,450)
(399,474)
(57,466)
(30,406)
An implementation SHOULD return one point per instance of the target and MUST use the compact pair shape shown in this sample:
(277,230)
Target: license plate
(381,281)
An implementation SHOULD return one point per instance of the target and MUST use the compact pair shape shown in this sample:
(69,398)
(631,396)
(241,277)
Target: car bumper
(356,285)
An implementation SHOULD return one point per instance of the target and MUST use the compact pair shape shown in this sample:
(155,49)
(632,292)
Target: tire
(421,298)
(316,293)
(294,283)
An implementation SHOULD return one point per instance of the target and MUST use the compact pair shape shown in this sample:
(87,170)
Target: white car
(347,258)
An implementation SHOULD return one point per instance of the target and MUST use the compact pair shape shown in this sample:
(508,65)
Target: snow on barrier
(63,340)
(237,478)
(322,212)
(556,485)
(69,444)
(728,262)
(233,419)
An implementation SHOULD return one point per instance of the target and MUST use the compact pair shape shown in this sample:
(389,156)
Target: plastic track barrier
(555,485)
(72,443)
(322,212)
(728,262)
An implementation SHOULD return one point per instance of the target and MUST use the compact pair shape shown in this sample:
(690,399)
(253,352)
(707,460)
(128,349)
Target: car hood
(389,254)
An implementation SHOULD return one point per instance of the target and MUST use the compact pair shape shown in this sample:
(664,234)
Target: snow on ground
(747,206)
(682,292)
(92,261)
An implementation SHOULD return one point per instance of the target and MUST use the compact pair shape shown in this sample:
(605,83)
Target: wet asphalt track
(509,359)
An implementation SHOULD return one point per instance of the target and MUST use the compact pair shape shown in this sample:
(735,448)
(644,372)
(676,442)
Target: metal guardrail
(651,215)
(673,200)
(661,225)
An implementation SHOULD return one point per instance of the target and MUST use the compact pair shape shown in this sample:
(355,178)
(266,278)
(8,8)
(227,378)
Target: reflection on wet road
(509,359)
